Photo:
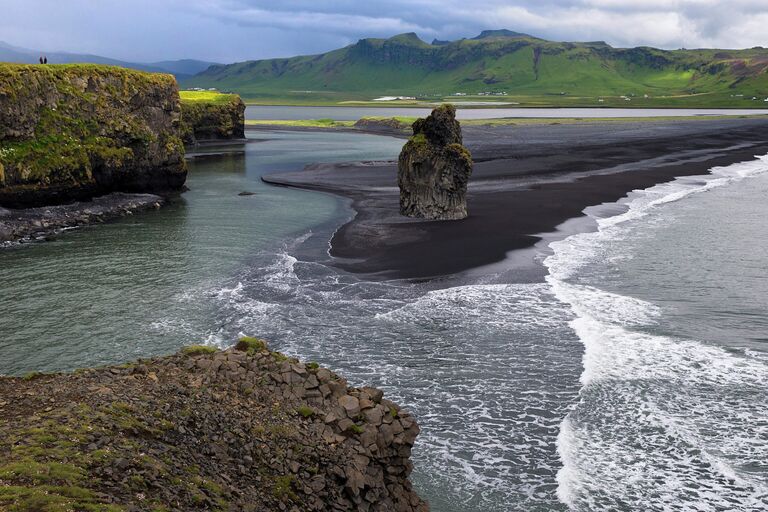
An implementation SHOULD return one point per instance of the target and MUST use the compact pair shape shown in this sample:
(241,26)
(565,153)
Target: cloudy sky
(234,30)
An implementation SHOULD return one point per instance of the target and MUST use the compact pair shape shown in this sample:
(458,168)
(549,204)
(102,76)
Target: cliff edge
(244,429)
(211,116)
(70,132)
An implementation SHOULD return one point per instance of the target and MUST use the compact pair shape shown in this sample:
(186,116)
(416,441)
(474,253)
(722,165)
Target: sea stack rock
(434,168)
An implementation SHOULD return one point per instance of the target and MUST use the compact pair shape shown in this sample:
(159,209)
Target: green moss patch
(46,469)
(251,345)
(213,97)
(305,411)
(198,350)
(283,488)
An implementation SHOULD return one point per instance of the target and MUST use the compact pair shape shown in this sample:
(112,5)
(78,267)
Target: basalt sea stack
(434,168)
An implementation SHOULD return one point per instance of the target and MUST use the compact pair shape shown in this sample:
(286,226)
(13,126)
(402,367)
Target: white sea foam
(571,253)
(662,423)
(469,360)
(495,306)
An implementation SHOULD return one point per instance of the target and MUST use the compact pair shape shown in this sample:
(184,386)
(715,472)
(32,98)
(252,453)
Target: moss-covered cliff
(76,131)
(211,116)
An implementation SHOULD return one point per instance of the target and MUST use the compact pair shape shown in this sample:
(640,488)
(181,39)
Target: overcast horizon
(236,30)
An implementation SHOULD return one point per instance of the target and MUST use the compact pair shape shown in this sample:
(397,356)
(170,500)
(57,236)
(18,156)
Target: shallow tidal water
(107,293)
(631,380)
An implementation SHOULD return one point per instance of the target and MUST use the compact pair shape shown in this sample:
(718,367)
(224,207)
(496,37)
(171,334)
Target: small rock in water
(246,193)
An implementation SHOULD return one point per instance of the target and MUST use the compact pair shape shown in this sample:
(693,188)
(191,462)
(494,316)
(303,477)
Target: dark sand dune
(527,180)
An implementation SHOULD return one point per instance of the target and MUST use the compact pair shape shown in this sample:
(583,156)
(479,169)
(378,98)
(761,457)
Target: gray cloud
(232,30)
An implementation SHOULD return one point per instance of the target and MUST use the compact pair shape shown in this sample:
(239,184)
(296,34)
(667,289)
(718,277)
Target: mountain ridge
(497,61)
(182,68)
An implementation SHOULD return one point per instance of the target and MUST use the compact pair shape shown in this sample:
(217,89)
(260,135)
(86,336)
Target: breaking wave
(663,422)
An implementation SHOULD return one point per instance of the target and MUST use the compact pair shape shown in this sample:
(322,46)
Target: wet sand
(527,180)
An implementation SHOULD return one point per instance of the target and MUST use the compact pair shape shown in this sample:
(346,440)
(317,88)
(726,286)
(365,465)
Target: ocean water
(632,379)
(108,293)
(670,299)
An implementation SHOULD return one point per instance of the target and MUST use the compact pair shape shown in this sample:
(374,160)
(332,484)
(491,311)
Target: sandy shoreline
(527,180)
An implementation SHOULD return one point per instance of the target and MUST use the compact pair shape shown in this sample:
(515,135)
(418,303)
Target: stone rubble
(263,432)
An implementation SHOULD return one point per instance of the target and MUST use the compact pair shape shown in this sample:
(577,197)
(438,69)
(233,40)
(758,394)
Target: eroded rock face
(434,168)
(202,122)
(77,131)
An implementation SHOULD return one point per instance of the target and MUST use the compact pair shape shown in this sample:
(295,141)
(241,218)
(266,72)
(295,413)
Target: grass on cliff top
(214,97)
(8,69)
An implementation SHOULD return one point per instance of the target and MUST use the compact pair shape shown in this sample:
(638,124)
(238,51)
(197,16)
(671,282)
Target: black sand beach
(527,181)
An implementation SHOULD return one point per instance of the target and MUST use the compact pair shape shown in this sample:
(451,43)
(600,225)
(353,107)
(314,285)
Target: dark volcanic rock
(434,168)
(244,429)
(32,224)
(214,121)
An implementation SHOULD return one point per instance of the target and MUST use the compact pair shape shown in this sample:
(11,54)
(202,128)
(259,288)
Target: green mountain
(500,61)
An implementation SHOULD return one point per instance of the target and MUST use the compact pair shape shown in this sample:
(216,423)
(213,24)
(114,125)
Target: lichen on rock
(434,168)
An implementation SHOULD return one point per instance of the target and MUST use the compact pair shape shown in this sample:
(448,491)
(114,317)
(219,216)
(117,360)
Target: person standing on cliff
(45,60)
(41,60)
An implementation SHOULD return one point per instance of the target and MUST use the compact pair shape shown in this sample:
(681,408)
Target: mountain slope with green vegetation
(503,66)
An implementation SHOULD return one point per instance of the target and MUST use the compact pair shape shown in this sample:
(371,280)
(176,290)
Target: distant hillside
(502,61)
(181,68)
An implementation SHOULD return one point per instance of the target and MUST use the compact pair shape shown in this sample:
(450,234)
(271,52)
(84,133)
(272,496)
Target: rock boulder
(244,429)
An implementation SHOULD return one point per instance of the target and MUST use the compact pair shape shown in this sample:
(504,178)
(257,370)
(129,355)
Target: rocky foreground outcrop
(434,168)
(222,118)
(243,429)
(70,132)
